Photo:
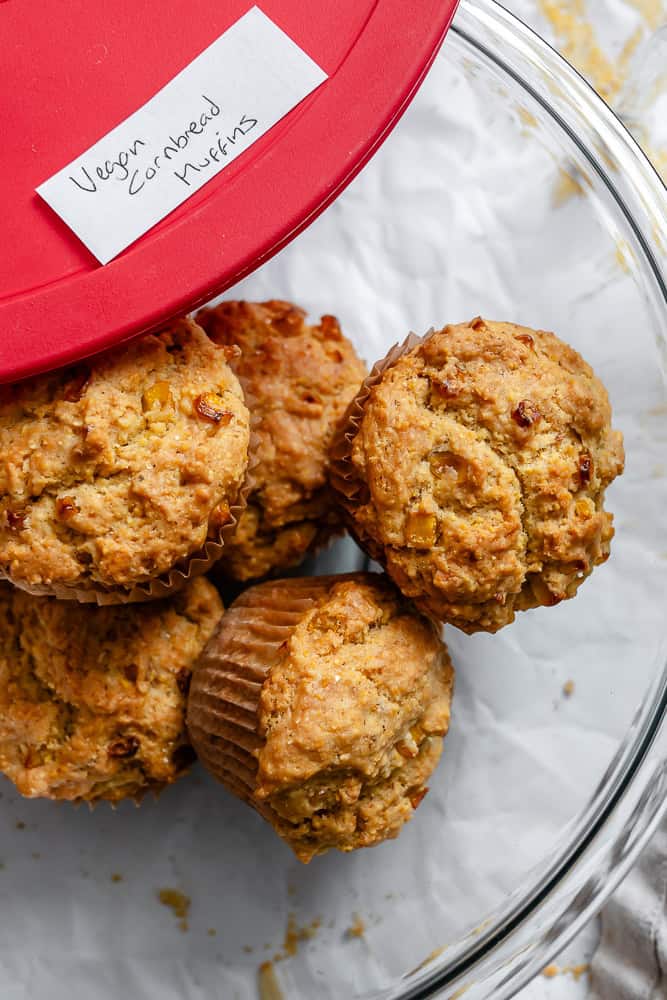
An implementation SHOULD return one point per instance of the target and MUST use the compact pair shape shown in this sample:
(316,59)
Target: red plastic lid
(79,68)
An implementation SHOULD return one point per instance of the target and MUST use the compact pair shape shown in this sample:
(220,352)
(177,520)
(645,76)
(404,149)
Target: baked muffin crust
(482,459)
(92,700)
(112,472)
(350,716)
(298,379)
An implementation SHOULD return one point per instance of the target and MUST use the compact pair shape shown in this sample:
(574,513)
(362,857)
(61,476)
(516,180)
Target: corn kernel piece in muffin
(299,380)
(92,700)
(482,459)
(323,703)
(112,472)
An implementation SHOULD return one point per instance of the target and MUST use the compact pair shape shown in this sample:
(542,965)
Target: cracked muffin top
(347,690)
(113,471)
(481,463)
(92,700)
(299,380)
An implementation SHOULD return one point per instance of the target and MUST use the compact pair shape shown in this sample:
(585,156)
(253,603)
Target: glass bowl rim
(602,836)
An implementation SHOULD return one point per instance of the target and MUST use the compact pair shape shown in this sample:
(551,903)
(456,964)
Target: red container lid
(76,70)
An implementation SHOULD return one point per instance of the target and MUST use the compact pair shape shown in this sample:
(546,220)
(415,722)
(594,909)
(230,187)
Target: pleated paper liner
(182,571)
(223,706)
(152,791)
(351,490)
(169,583)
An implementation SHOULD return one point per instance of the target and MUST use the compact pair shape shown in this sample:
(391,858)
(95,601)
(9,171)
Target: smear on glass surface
(617,71)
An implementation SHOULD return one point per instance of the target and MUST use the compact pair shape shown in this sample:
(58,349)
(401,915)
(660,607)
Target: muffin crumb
(178,903)
(357,928)
(269,988)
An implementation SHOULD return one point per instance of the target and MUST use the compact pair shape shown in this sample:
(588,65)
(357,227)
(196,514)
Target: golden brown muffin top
(114,470)
(298,379)
(482,456)
(92,700)
(350,717)
(323,702)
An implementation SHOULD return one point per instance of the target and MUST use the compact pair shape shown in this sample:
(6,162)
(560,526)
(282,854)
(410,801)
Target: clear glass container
(508,190)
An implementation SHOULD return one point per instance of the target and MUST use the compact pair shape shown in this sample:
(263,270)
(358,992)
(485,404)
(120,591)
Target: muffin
(92,700)
(473,466)
(323,703)
(117,471)
(298,380)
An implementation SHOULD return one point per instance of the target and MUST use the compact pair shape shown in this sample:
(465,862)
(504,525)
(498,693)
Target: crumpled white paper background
(454,217)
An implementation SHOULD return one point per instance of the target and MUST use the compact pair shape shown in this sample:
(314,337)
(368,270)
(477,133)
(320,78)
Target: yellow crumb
(431,957)
(116,877)
(178,903)
(625,57)
(578,43)
(357,929)
(658,158)
(567,186)
(291,941)
(480,927)
(294,935)
(527,119)
(568,689)
(575,37)
(622,253)
(269,988)
(576,971)
(653,11)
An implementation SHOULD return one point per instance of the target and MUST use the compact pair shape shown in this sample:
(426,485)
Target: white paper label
(227,97)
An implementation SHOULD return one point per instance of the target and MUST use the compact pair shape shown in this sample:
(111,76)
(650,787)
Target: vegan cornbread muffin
(299,380)
(323,703)
(116,471)
(473,466)
(92,700)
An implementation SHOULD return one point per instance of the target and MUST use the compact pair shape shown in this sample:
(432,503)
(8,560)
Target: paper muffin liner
(351,490)
(223,705)
(152,590)
(177,577)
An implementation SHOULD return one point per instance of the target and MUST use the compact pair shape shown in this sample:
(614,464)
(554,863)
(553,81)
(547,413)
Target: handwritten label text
(205,117)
